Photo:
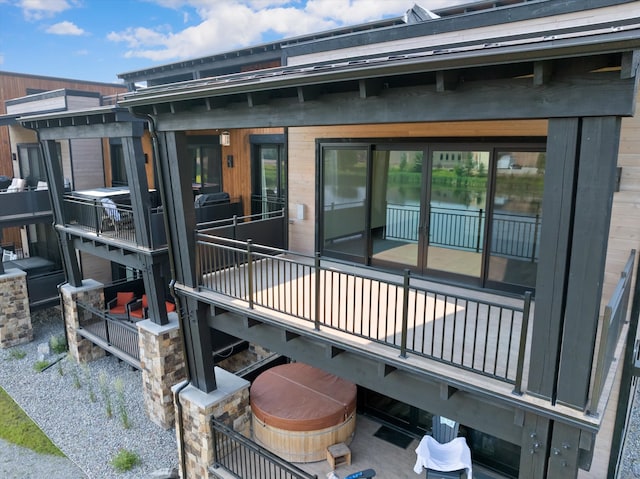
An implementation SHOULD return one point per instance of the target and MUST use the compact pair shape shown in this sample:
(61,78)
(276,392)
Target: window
(31,163)
(206,162)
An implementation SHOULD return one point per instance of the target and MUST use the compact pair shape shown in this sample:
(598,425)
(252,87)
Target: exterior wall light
(225,138)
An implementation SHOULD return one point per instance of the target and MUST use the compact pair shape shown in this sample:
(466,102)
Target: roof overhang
(543,46)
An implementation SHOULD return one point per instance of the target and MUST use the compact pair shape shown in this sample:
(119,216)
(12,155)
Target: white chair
(42,185)
(17,184)
(444,455)
(8,255)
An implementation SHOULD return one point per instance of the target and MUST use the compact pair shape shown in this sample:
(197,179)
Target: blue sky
(97,39)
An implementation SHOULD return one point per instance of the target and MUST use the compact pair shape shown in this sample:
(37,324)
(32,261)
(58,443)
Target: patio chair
(113,217)
(118,305)
(443,454)
(138,309)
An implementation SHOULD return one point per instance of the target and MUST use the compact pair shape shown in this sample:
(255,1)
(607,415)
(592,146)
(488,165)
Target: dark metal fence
(473,334)
(615,315)
(513,235)
(113,221)
(115,335)
(245,459)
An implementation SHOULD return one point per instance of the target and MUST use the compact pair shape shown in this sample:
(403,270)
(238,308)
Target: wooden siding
(302,158)
(88,169)
(15,85)
(236,180)
(588,17)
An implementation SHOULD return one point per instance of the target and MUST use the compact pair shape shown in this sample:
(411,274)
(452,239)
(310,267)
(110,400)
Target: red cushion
(145,304)
(170,306)
(123,297)
(137,313)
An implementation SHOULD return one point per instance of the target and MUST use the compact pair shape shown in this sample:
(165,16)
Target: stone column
(15,316)
(163,365)
(229,404)
(91,293)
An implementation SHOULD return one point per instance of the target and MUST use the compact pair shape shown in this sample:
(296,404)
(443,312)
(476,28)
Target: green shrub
(125,460)
(17,354)
(41,365)
(121,405)
(105,392)
(58,344)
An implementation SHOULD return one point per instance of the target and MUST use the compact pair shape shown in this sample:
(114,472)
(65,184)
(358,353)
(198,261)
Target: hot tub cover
(299,397)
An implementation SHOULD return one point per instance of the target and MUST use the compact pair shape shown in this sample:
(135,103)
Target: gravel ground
(62,405)
(81,429)
(630,464)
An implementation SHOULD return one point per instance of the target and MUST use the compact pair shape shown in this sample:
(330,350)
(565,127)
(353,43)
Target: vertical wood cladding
(16,85)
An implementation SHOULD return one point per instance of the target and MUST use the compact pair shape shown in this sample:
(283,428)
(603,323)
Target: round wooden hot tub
(298,411)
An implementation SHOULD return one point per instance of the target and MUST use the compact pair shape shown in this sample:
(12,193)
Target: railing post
(535,238)
(526,309)
(235,226)
(250,273)
(405,314)
(316,267)
(479,232)
(598,377)
(97,218)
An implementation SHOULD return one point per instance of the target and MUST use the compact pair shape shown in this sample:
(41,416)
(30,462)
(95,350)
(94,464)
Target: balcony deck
(470,340)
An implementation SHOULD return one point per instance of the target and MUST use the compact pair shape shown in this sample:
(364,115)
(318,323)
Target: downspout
(165,216)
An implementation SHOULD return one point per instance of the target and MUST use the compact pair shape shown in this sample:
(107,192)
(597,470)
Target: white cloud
(65,28)
(229,24)
(38,9)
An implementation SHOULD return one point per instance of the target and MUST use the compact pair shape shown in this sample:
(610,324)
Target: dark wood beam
(482,100)
(370,87)
(553,267)
(630,62)
(308,93)
(447,80)
(257,98)
(597,173)
(542,72)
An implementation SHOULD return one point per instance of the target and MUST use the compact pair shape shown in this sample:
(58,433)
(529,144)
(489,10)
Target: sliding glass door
(470,212)
(457,210)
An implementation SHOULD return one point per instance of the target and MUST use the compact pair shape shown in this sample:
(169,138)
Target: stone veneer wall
(15,316)
(163,365)
(229,404)
(91,293)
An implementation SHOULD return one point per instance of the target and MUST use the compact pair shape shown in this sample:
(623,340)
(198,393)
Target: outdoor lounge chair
(118,305)
(138,309)
(113,217)
(443,454)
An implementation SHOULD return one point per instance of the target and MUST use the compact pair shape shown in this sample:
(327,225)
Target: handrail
(114,333)
(240,456)
(614,317)
(470,333)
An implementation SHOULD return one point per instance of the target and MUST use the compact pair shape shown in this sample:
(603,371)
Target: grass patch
(17,354)
(125,460)
(18,428)
(40,365)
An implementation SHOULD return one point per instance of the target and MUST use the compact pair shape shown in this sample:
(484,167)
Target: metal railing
(116,335)
(477,335)
(244,458)
(615,315)
(114,221)
(513,235)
